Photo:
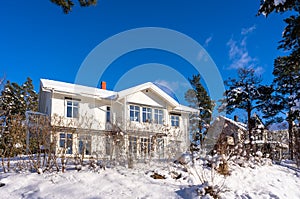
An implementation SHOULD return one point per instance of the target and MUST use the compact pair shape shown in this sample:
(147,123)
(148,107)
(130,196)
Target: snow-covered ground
(272,181)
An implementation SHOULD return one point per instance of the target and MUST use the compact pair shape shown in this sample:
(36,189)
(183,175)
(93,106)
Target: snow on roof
(186,109)
(76,89)
(239,124)
(162,91)
(153,87)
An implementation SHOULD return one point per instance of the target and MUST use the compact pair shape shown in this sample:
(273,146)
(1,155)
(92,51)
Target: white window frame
(175,120)
(72,105)
(67,140)
(108,114)
(145,146)
(86,141)
(158,116)
(134,113)
(146,114)
(133,141)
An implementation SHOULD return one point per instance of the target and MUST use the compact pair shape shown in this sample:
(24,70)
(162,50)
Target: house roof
(159,91)
(76,89)
(151,86)
(240,125)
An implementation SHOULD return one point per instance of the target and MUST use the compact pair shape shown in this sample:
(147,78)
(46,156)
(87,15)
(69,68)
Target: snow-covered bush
(209,173)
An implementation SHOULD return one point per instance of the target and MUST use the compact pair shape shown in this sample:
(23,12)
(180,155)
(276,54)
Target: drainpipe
(27,132)
(125,113)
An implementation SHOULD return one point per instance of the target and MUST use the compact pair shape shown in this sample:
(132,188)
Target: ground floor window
(108,145)
(85,144)
(133,145)
(145,146)
(66,142)
(160,147)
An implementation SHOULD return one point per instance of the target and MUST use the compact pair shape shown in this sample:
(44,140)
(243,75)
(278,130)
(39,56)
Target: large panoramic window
(66,142)
(72,108)
(174,120)
(134,113)
(147,114)
(158,116)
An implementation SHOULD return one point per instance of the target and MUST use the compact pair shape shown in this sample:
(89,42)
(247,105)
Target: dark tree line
(15,100)
(286,89)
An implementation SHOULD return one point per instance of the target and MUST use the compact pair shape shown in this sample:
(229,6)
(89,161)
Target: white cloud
(239,54)
(173,85)
(246,31)
(207,41)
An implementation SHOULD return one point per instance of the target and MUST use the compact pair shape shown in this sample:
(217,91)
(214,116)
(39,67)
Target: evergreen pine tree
(16,99)
(30,97)
(198,98)
(244,93)
(286,97)
(67,5)
(291,33)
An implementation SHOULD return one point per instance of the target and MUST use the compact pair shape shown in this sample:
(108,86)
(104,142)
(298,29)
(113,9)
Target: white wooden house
(145,119)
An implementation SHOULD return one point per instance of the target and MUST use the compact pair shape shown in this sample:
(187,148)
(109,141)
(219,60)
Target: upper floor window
(174,120)
(108,119)
(72,108)
(134,113)
(147,114)
(158,116)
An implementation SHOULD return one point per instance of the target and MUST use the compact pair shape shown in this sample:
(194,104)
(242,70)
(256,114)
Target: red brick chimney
(103,85)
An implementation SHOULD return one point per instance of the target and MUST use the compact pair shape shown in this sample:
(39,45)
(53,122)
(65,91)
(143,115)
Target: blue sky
(39,41)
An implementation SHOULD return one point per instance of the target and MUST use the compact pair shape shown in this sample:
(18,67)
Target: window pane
(72,108)
(69,147)
(69,111)
(175,120)
(144,117)
(108,114)
(62,143)
(88,148)
(158,116)
(75,104)
(131,116)
(75,112)
(80,147)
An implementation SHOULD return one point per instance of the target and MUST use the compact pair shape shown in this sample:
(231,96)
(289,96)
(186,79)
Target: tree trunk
(291,145)
(249,125)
